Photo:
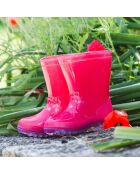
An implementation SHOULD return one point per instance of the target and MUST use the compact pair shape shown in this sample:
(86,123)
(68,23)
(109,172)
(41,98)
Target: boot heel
(103,110)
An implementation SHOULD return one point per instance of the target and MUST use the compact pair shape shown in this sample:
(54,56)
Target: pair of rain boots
(78,93)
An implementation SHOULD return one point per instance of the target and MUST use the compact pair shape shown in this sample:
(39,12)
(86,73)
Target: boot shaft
(88,75)
(55,81)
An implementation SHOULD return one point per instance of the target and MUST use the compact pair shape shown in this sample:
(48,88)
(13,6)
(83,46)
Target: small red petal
(95,45)
(13,22)
(109,121)
(116,117)
(121,113)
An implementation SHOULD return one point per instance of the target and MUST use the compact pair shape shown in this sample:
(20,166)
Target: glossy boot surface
(58,98)
(88,77)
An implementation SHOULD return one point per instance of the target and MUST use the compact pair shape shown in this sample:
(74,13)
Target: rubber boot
(88,77)
(58,98)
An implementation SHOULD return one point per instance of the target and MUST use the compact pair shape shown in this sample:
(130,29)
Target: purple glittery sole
(31,133)
(61,132)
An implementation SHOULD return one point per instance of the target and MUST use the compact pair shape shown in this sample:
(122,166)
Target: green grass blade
(20,114)
(4,131)
(132,25)
(128,106)
(125,89)
(123,39)
(127,133)
(125,98)
(127,83)
(115,143)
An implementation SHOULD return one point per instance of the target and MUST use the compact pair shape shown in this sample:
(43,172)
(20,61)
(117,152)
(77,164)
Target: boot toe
(29,125)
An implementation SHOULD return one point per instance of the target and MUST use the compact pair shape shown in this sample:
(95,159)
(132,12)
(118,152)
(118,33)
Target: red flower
(95,45)
(116,117)
(13,21)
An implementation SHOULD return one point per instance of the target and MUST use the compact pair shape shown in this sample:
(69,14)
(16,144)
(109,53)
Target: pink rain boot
(88,76)
(58,98)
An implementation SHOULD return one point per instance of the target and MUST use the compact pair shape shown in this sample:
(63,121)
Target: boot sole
(62,132)
(52,132)
(31,133)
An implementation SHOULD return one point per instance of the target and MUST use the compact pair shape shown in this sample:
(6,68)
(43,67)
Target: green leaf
(82,41)
(123,39)
(9,100)
(11,127)
(19,114)
(4,131)
(115,143)
(127,133)
(128,106)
